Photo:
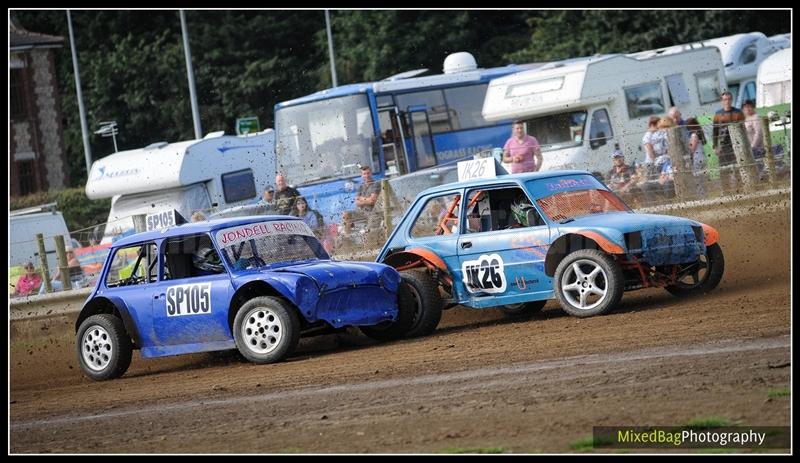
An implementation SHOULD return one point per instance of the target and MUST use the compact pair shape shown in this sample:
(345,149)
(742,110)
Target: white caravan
(741,55)
(24,224)
(774,81)
(187,176)
(580,111)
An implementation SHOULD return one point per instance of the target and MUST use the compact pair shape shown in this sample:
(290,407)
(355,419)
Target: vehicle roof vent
(459,62)
(156,146)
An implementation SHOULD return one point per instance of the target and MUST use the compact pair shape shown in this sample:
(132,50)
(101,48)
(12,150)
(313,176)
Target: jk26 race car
(514,241)
(254,284)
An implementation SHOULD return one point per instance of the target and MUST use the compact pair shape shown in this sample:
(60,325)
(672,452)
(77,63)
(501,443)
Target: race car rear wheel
(266,329)
(703,276)
(427,302)
(104,347)
(588,282)
(396,329)
(523,310)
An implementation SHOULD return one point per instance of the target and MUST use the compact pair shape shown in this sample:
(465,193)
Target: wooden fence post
(769,156)
(744,156)
(63,263)
(48,287)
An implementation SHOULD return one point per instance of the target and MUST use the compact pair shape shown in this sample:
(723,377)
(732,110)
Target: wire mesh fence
(721,162)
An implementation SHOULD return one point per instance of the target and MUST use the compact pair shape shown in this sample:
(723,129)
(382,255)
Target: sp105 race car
(254,284)
(515,241)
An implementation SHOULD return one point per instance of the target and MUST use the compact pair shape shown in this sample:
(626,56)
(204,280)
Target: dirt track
(480,382)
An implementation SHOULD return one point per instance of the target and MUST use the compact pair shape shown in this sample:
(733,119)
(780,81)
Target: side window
(678,93)
(708,88)
(600,131)
(466,104)
(644,100)
(436,107)
(133,265)
(439,216)
(500,209)
(749,54)
(190,257)
(238,186)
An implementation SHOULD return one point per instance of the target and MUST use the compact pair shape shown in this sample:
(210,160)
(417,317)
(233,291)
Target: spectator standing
(752,124)
(697,139)
(284,196)
(366,197)
(649,152)
(721,140)
(522,150)
(621,177)
(198,216)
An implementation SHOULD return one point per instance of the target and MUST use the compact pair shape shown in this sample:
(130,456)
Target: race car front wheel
(588,282)
(266,329)
(701,276)
(104,347)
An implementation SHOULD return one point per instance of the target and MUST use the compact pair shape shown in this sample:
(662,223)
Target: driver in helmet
(206,261)
(519,212)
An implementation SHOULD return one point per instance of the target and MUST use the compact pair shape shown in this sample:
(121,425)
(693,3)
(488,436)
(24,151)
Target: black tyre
(588,282)
(523,310)
(266,329)
(704,276)
(104,347)
(396,329)
(427,302)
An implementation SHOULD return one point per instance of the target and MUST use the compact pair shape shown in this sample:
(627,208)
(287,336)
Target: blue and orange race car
(515,241)
(254,284)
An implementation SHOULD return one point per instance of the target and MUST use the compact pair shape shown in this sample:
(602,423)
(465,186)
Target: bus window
(438,113)
(465,105)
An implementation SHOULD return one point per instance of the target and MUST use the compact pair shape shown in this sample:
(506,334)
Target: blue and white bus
(396,126)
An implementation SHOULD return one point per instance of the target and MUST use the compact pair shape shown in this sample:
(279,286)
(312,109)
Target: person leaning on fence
(284,196)
(75,273)
(722,143)
(28,283)
(697,140)
(366,197)
(622,178)
(311,217)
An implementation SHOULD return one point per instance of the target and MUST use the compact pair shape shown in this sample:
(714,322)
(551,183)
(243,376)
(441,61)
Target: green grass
(487,450)
(774,393)
(705,422)
(588,443)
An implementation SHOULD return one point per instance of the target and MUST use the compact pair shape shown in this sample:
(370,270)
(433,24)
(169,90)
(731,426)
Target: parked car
(515,241)
(255,284)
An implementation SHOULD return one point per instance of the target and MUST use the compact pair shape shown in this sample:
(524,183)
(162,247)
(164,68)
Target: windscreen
(324,139)
(264,244)
(568,205)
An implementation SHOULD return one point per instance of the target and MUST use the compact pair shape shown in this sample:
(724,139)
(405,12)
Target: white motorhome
(187,176)
(774,80)
(741,55)
(582,110)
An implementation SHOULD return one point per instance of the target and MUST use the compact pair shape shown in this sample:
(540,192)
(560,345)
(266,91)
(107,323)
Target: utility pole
(87,149)
(330,47)
(198,131)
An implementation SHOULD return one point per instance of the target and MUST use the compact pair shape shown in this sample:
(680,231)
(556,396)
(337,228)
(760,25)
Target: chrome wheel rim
(97,348)
(262,330)
(584,284)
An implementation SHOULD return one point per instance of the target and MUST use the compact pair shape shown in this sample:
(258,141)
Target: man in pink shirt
(522,151)
(29,282)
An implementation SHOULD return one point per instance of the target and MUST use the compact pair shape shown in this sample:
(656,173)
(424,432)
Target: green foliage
(775,393)
(79,211)
(133,68)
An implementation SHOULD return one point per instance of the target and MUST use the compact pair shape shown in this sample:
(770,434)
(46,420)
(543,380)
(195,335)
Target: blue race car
(253,283)
(515,241)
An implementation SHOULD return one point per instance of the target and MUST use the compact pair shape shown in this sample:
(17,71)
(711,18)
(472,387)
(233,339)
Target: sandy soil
(480,382)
